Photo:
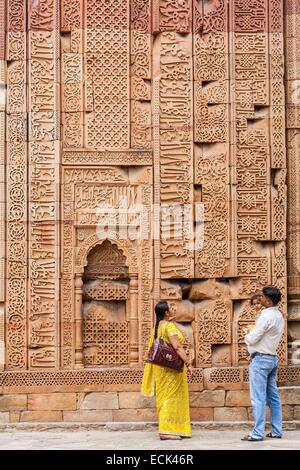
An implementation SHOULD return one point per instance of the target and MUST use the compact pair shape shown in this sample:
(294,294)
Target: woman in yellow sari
(169,387)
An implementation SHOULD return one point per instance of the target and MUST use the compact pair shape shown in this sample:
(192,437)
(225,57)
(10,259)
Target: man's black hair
(273,294)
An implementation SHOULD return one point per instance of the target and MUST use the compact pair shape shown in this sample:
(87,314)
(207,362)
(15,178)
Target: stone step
(134,426)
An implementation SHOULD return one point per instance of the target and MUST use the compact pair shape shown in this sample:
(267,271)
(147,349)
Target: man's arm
(262,325)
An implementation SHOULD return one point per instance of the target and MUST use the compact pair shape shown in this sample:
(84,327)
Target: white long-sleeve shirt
(267,332)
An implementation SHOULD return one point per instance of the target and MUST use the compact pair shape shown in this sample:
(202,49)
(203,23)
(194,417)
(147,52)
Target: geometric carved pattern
(32,380)
(250,15)
(105,343)
(107,291)
(107,72)
(211,97)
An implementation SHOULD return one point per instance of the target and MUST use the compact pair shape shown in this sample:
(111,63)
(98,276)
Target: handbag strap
(161,331)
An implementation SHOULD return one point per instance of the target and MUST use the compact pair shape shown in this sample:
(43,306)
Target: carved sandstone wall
(192,103)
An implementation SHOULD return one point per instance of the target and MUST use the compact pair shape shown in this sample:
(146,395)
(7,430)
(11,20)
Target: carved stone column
(133,322)
(78,323)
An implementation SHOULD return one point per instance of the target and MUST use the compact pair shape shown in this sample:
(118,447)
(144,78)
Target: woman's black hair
(161,309)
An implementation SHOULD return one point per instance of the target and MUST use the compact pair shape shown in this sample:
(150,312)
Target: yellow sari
(170,388)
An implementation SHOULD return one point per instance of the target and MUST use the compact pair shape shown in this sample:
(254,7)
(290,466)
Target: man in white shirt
(262,345)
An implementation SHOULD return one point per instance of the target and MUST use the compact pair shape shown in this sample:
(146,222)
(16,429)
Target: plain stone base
(134,426)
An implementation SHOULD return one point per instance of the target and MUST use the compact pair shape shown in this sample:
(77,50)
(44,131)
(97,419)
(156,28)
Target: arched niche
(106,300)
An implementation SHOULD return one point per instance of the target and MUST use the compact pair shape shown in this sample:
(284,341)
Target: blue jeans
(263,390)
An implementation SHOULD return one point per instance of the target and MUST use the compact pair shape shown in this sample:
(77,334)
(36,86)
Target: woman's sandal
(166,437)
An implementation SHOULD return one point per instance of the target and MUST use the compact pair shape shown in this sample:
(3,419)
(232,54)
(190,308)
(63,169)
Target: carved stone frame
(74,259)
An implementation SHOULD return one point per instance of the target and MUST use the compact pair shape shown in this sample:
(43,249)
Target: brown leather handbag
(164,355)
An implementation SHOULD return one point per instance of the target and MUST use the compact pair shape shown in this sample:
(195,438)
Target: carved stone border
(108,379)
(107,157)
(120,379)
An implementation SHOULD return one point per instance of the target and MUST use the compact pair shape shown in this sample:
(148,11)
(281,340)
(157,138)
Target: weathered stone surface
(13,402)
(135,400)
(202,290)
(287,413)
(88,416)
(100,401)
(230,414)
(146,414)
(4,417)
(202,414)
(52,401)
(238,398)
(294,331)
(221,355)
(207,398)
(297,413)
(290,395)
(183,310)
(14,416)
(209,289)
(170,290)
(41,416)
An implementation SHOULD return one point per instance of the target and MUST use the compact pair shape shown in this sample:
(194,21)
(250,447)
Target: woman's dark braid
(161,308)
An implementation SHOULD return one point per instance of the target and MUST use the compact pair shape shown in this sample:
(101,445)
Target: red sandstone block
(238,398)
(100,401)
(2,29)
(250,16)
(135,400)
(14,416)
(291,7)
(42,15)
(207,398)
(168,16)
(4,417)
(287,413)
(231,414)
(52,401)
(16,15)
(290,395)
(88,416)
(13,402)
(202,414)
(42,416)
(146,414)
(276,16)
(71,15)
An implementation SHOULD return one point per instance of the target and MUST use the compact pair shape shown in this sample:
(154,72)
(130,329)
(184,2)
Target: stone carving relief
(177,104)
(82,196)
(107,54)
(16,158)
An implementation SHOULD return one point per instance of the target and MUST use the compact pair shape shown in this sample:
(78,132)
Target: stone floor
(138,440)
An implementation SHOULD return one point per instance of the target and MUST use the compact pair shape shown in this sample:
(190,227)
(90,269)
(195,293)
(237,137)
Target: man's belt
(262,354)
